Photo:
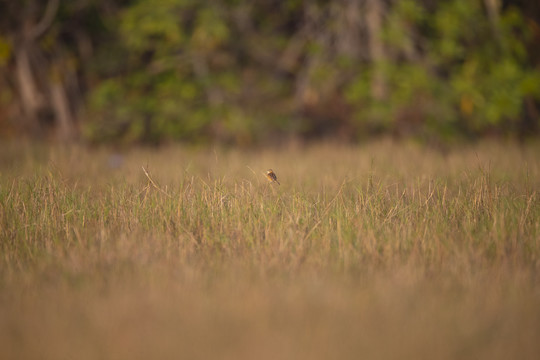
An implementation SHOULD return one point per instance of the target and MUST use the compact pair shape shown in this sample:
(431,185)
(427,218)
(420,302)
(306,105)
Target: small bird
(272,176)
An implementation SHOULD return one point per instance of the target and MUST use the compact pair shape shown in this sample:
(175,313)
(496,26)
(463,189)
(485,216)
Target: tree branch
(46,21)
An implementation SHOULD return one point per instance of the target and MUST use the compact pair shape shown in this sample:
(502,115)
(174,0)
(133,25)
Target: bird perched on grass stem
(272,176)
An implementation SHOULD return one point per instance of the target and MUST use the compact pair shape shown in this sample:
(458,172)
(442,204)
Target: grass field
(376,251)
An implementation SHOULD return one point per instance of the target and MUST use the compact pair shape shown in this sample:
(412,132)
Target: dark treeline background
(245,72)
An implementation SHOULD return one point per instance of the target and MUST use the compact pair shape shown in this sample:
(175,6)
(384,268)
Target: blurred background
(245,72)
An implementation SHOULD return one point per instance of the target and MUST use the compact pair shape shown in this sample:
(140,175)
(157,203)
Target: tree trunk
(30,98)
(493,9)
(374,15)
(62,113)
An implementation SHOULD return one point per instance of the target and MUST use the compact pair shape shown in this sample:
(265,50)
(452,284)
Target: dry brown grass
(377,251)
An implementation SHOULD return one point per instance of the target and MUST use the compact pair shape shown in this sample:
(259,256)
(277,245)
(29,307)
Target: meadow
(379,250)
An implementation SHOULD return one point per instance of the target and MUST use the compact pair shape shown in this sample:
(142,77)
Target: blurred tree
(23,30)
(459,68)
(244,72)
(178,78)
(45,48)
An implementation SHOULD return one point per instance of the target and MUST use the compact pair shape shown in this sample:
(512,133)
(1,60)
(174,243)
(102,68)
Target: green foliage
(466,75)
(5,51)
(154,95)
(234,71)
(149,26)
